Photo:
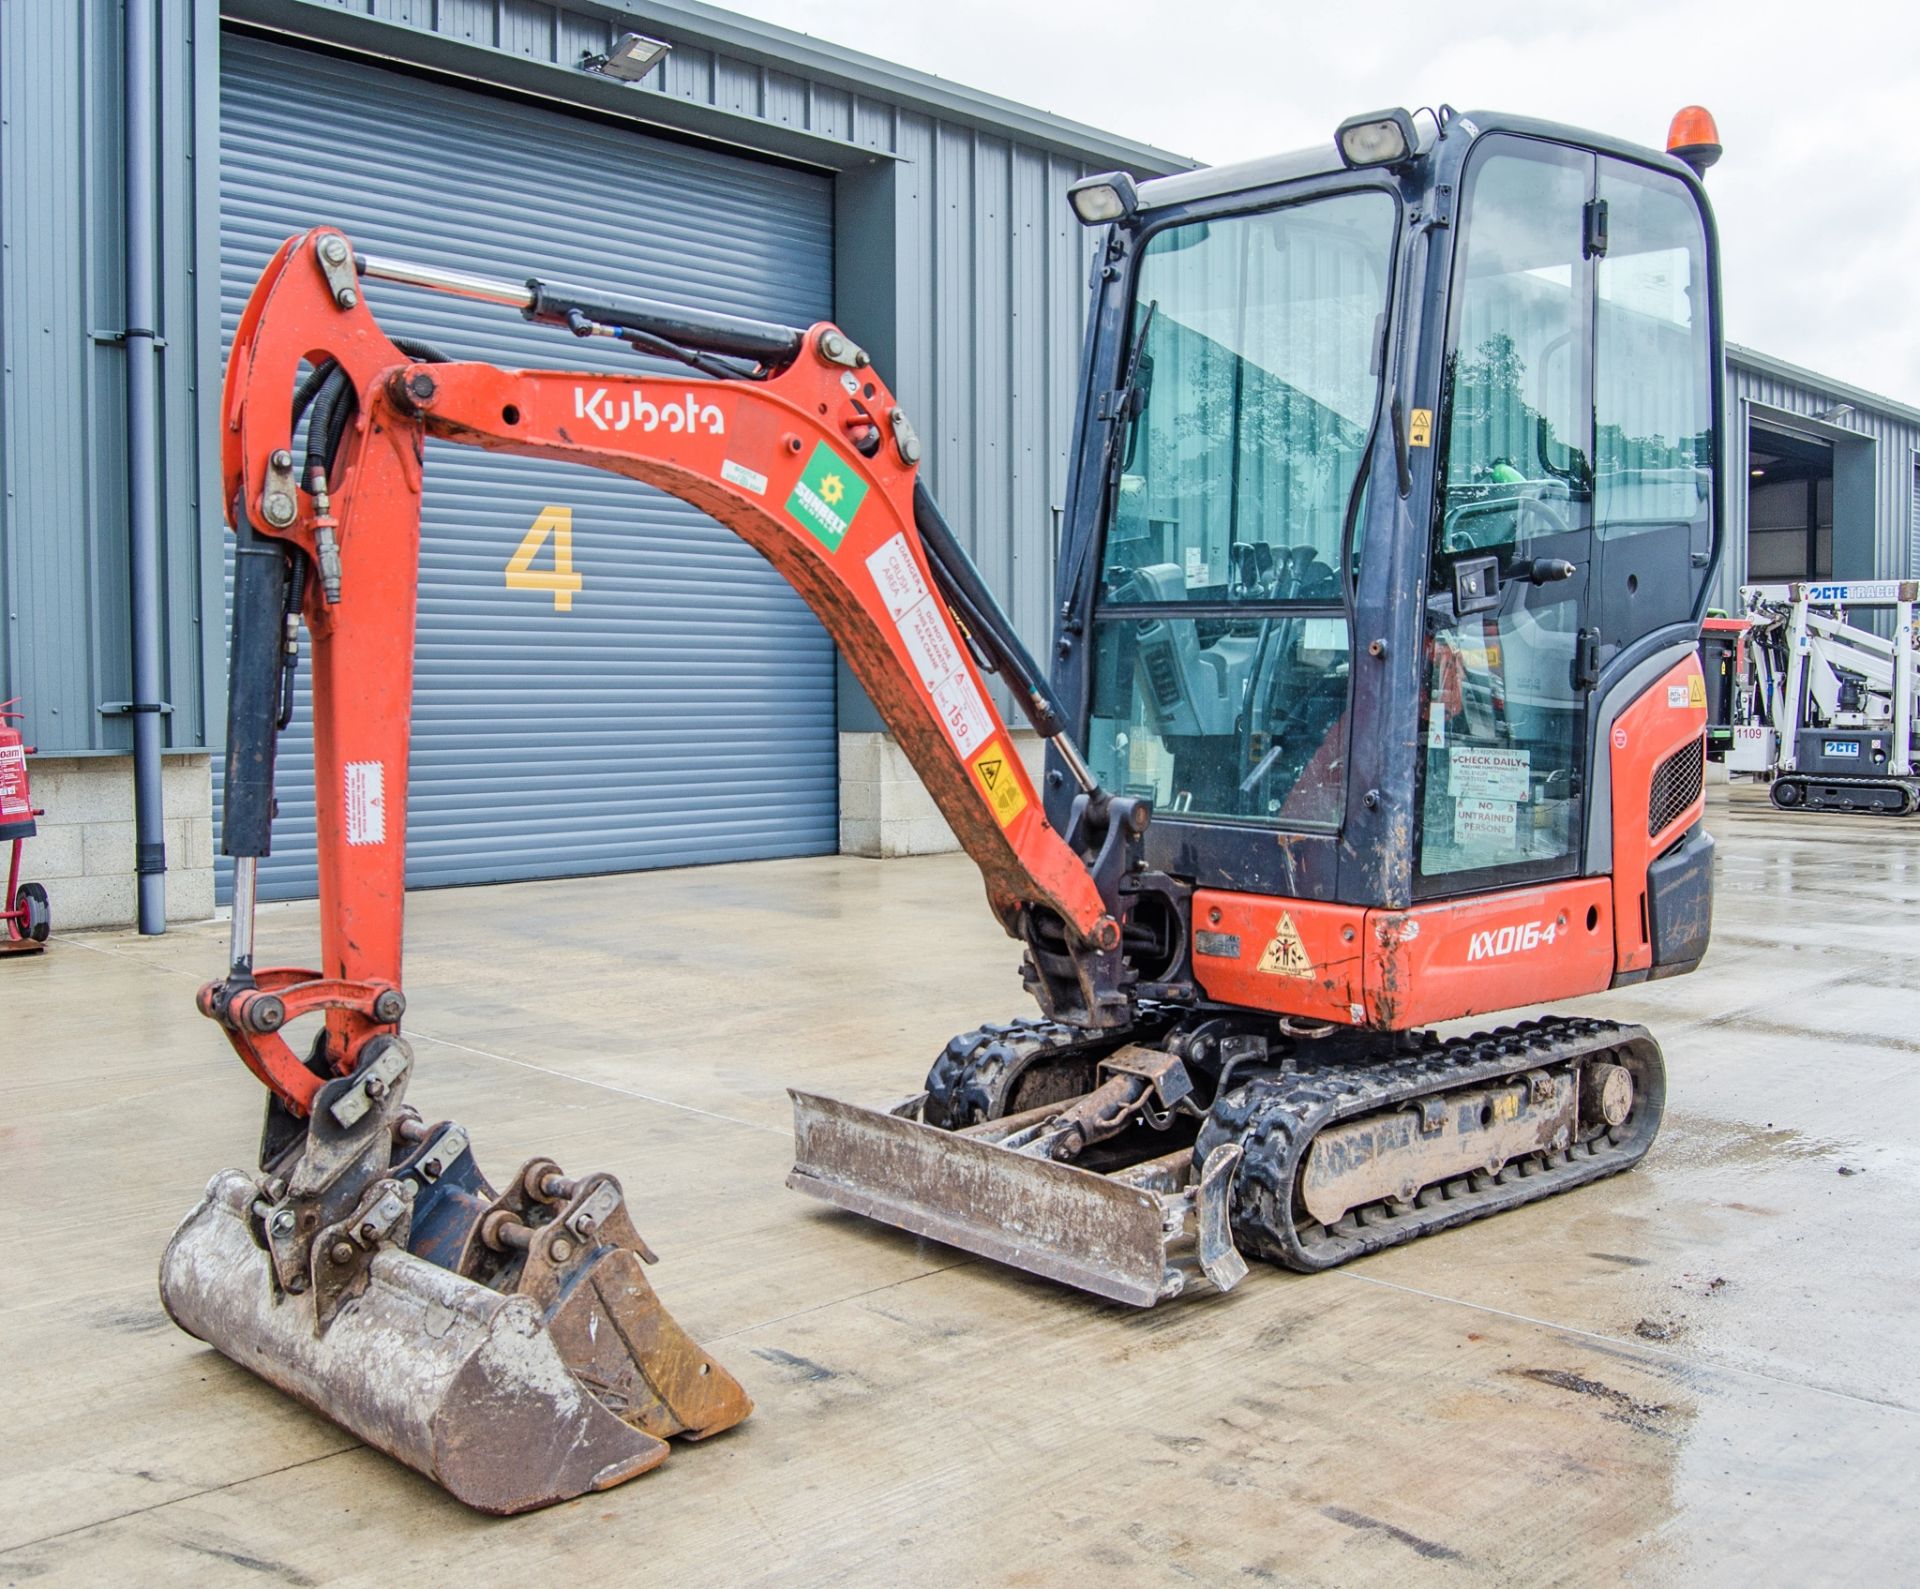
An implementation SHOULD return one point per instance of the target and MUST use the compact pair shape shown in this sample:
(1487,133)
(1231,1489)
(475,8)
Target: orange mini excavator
(1374,704)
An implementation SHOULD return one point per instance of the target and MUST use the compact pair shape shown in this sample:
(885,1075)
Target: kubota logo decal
(687,415)
(1515,938)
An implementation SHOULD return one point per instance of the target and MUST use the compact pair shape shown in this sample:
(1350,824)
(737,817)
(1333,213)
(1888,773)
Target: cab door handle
(1586,659)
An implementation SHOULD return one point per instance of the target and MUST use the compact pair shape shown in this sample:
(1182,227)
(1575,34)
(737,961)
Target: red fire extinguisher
(25,915)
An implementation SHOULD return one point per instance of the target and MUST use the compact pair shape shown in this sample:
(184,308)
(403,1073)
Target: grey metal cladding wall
(993,290)
(1896,534)
(682,711)
(990,268)
(63,512)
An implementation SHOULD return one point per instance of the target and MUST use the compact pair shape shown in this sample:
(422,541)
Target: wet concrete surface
(1704,1371)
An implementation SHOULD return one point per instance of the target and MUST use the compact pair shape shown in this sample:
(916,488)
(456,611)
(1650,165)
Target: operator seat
(1194,692)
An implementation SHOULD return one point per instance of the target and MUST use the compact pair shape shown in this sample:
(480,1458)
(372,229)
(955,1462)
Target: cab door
(1510,652)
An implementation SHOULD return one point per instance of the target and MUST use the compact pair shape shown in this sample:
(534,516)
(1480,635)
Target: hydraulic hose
(960,583)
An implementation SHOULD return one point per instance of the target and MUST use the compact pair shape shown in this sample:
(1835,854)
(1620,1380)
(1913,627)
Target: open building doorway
(1789,507)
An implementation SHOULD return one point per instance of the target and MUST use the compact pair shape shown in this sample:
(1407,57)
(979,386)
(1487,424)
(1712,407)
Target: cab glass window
(1221,647)
(1653,396)
(1258,340)
(1503,715)
(1652,408)
(1516,456)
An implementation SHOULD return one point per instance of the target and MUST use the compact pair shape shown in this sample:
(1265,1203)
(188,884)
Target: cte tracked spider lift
(1828,712)
(1375,704)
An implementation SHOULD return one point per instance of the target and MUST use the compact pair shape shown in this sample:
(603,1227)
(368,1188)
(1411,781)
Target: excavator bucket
(508,1346)
(1135,1234)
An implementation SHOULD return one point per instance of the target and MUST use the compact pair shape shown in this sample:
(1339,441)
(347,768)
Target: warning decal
(963,712)
(998,777)
(1696,690)
(14,804)
(1286,956)
(366,802)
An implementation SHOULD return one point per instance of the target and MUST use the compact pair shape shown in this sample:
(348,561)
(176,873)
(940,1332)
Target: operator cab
(1387,475)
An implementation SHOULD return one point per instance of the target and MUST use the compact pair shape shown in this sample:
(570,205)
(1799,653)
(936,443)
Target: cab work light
(1098,200)
(1379,138)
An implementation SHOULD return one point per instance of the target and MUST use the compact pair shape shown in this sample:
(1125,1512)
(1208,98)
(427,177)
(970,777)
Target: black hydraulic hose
(308,389)
(989,647)
(290,659)
(343,411)
(321,421)
(962,585)
(425,352)
(327,391)
(974,626)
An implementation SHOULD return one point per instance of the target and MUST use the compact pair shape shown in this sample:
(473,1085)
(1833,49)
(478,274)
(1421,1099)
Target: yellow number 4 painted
(560,579)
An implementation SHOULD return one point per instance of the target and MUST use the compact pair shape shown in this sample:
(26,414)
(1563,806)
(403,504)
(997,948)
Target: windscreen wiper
(1121,407)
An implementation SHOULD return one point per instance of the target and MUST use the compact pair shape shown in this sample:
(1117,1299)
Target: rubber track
(1805,780)
(1275,1119)
(970,1081)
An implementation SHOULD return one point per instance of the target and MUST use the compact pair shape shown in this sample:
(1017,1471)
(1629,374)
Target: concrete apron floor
(1703,1371)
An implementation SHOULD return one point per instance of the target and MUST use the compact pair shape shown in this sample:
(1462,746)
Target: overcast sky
(1818,195)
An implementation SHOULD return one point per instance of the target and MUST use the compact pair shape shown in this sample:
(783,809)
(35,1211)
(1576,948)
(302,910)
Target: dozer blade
(1119,1236)
(502,1400)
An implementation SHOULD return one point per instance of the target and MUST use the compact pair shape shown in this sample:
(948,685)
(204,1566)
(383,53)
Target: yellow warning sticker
(1001,782)
(1420,428)
(1286,956)
(1696,691)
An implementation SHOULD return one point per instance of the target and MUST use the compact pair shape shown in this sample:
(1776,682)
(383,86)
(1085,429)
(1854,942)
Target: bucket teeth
(548,1370)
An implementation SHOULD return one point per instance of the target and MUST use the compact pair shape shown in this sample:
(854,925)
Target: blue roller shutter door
(679,706)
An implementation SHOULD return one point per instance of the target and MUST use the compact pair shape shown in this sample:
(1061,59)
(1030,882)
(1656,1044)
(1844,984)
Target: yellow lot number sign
(556,524)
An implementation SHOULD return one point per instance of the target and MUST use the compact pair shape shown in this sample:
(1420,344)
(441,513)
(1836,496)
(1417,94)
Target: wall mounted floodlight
(633,56)
(1839,411)
(1379,138)
(1108,197)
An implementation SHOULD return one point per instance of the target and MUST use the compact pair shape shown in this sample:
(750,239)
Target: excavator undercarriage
(1123,1169)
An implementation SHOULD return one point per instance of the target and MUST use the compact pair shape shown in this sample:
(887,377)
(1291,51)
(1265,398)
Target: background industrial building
(680,705)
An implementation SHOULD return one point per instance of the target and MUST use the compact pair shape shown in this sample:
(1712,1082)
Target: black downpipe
(254,668)
(143,520)
(992,630)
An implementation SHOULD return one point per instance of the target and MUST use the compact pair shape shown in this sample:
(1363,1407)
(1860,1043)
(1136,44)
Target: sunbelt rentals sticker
(826,497)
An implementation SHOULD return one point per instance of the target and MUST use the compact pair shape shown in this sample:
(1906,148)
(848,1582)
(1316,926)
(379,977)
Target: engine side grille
(1676,785)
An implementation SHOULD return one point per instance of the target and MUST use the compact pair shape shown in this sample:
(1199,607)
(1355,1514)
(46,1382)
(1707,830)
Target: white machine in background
(1826,708)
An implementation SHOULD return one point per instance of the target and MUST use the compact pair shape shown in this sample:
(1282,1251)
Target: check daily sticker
(826,497)
(1477,773)
(963,713)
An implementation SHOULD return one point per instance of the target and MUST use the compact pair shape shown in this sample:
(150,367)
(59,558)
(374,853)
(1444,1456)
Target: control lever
(1541,570)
